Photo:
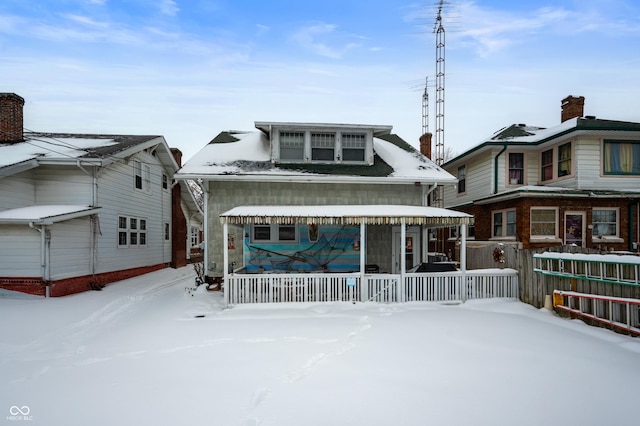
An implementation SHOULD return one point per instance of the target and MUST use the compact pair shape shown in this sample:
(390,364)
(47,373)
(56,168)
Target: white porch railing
(426,287)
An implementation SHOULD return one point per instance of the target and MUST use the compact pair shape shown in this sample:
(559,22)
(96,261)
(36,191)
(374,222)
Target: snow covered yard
(139,353)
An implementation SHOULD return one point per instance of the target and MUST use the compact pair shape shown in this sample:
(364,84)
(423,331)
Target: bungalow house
(318,204)
(574,183)
(78,211)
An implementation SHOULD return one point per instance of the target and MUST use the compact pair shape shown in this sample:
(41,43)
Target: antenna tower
(425,108)
(439,135)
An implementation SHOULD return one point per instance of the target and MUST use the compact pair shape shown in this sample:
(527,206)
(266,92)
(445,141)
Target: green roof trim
(378,169)
(224,137)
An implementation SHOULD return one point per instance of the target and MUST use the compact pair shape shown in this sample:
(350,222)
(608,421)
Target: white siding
(19,251)
(63,185)
(70,252)
(479,180)
(118,197)
(17,191)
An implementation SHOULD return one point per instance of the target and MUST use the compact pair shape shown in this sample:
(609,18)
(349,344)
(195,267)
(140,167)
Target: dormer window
(353,147)
(323,146)
(292,146)
(333,144)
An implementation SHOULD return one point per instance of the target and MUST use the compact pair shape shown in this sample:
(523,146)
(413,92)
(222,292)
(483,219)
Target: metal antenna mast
(425,108)
(439,135)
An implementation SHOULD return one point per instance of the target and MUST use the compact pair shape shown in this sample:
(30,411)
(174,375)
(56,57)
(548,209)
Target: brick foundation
(37,286)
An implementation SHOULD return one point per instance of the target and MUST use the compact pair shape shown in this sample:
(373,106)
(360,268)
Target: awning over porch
(346,215)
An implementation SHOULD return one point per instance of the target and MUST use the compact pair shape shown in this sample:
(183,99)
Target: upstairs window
(323,146)
(621,157)
(546,170)
(353,147)
(462,179)
(564,159)
(141,176)
(516,168)
(292,145)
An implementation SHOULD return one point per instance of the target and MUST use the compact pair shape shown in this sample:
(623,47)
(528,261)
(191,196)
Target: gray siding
(62,185)
(70,254)
(20,248)
(17,191)
(224,196)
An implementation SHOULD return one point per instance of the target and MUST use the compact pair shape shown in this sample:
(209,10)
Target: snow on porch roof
(45,215)
(346,215)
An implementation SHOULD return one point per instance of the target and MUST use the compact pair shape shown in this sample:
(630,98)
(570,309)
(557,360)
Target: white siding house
(79,211)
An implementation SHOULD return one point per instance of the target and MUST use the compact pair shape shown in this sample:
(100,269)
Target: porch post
(403,258)
(363,252)
(463,260)
(225,261)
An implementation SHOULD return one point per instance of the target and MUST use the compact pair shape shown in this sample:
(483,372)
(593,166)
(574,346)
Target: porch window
(274,233)
(462,179)
(516,168)
(621,157)
(546,171)
(504,224)
(564,159)
(544,223)
(323,146)
(353,147)
(292,145)
(605,223)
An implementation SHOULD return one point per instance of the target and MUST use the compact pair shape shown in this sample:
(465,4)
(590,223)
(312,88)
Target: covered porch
(363,284)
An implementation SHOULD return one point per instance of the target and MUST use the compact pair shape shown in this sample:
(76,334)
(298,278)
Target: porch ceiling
(346,215)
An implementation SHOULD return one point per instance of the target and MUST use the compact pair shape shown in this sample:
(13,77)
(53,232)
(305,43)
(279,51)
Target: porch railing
(427,287)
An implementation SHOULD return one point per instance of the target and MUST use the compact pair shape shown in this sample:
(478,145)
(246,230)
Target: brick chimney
(11,120)
(572,107)
(177,155)
(425,145)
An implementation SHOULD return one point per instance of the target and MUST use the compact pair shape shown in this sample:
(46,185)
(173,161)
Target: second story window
(621,157)
(462,179)
(353,147)
(323,146)
(546,169)
(292,145)
(516,168)
(141,176)
(564,159)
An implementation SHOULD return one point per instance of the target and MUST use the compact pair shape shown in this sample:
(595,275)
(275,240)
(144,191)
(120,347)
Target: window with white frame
(544,222)
(354,146)
(462,179)
(504,224)
(516,168)
(292,146)
(165,182)
(141,176)
(132,231)
(194,236)
(621,157)
(323,146)
(564,159)
(167,231)
(274,233)
(605,223)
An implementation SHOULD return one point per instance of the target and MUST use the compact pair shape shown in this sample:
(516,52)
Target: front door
(412,248)
(574,228)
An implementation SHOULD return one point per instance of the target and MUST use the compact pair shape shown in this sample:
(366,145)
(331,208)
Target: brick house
(574,183)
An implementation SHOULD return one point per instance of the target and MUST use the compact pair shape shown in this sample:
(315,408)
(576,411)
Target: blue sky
(190,69)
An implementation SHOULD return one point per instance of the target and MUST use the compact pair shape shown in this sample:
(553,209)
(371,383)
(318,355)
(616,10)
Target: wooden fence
(534,287)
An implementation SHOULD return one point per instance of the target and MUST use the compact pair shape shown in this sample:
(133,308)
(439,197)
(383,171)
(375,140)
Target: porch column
(225,261)
(363,253)
(463,260)
(403,258)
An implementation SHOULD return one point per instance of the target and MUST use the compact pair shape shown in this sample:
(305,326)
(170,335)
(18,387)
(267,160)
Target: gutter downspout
(495,169)
(43,259)
(94,203)
(205,229)
(631,238)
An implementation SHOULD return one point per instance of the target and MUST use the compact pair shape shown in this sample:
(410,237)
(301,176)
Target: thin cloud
(169,7)
(315,39)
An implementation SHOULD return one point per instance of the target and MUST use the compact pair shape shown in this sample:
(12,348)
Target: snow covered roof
(346,214)
(523,135)
(45,214)
(38,148)
(244,155)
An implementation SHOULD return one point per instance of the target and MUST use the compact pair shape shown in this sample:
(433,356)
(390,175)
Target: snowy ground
(137,354)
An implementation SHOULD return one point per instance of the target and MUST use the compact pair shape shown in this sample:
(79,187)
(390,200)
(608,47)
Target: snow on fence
(426,287)
(620,312)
